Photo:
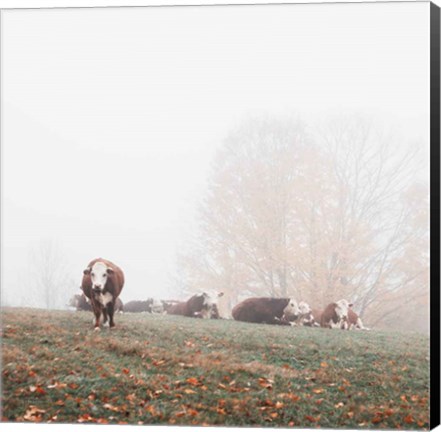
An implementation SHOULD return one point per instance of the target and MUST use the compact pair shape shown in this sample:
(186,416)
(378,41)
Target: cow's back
(259,309)
(178,309)
(328,315)
(352,317)
(317,315)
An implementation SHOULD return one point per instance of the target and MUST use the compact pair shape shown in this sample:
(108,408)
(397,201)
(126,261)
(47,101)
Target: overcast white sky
(111,116)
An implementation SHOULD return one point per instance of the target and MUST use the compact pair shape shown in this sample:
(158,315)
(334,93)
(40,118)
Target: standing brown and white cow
(102,284)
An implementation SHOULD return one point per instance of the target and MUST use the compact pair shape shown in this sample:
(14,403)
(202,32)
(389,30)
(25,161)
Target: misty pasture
(233,150)
(154,369)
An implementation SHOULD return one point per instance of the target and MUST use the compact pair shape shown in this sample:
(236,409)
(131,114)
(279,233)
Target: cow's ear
(220,294)
(110,270)
(86,271)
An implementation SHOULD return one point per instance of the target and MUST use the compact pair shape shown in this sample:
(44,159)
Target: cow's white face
(99,274)
(292,309)
(342,308)
(210,303)
(304,308)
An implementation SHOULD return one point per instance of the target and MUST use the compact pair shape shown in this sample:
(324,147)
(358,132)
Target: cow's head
(291,311)
(342,308)
(209,305)
(304,308)
(305,316)
(99,274)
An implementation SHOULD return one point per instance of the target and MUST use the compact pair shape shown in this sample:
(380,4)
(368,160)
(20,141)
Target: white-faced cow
(353,322)
(102,284)
(313,319)
(305,314)
(335,314)
(267,310)
(198,306)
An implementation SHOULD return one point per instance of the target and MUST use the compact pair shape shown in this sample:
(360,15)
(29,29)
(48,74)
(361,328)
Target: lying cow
(267,310)
(305,314)
(167,304)
(335,314)
(80,303)
(137,306)
(353,322)
(198,306)
(102,284)
(150,305)
(119,306)
(313,319)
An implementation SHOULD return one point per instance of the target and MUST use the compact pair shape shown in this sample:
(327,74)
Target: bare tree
(316,216)
(51,283)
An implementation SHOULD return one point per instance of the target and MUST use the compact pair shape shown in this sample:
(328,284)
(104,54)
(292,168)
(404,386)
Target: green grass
(175,370)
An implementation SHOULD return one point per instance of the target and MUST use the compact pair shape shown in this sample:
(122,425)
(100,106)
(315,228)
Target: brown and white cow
(167,304)
(80,302)
(305,315)
(335,314)
(353,322)
(198,306)
(102,284)
(150,305)
(313,319)
(267,310)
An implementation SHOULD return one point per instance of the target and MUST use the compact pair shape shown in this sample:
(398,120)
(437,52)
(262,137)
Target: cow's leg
(104,315)
(97,313)
(337,325)
(110,310)
(279,321)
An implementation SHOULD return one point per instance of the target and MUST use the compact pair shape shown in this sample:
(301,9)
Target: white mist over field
(112,117)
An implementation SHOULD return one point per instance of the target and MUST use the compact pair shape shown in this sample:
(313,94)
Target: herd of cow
(103,282)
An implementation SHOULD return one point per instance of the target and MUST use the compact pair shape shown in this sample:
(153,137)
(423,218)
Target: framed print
(221,215)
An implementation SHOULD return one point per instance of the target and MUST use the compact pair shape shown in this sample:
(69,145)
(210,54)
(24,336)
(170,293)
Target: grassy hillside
(175,370)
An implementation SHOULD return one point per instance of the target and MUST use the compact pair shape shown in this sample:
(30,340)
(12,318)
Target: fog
(112,117)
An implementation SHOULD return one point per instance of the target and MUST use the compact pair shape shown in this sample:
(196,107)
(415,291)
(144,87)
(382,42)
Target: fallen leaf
(110,407)
(34,414)
(102,421)
(409,419)
(193,381)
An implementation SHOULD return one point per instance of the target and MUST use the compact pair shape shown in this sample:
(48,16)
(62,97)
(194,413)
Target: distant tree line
(319,214)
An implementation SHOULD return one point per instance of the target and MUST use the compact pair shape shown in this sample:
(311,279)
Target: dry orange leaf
(192,381)
(33,413)
(409,419)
